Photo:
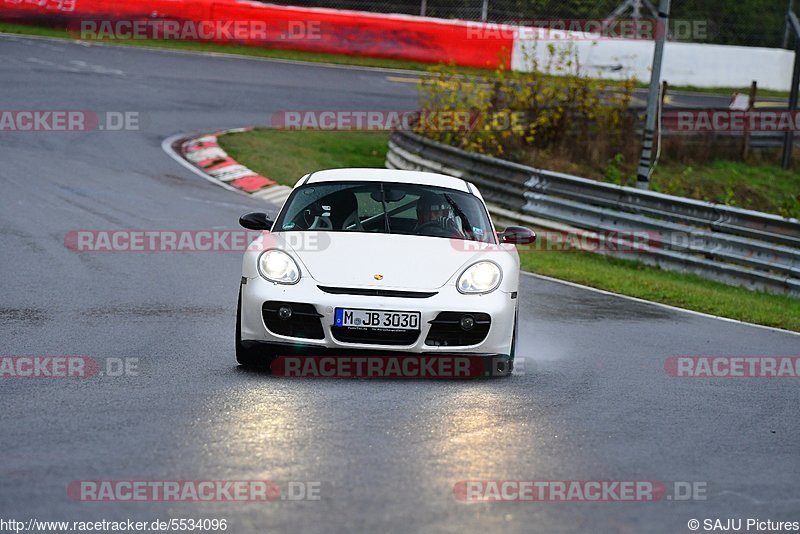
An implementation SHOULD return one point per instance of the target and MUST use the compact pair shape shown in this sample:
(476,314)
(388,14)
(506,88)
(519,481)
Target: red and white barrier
(429,40)
(694,64)
(308,29)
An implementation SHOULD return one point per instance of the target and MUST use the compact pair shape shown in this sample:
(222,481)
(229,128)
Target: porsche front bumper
(500,307)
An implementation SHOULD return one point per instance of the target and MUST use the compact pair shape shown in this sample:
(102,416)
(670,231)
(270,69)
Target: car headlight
(277,266)
(481,277)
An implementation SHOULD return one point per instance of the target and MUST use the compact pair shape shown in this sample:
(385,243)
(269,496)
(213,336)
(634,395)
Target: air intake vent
(447,329)
(301,320)
(374,292)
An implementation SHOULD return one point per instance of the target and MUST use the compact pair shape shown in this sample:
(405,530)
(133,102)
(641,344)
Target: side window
(366,206)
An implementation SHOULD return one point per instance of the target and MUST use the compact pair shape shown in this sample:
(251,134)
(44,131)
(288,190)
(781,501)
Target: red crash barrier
(307,29)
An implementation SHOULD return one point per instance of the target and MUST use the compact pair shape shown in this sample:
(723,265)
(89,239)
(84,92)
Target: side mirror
(256,221)
(517,235)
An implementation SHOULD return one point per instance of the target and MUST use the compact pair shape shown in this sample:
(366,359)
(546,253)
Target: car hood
(345,259)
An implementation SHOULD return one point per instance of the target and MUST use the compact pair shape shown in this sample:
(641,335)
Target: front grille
(304,322)
(446,330)
(384,337)
(378,292)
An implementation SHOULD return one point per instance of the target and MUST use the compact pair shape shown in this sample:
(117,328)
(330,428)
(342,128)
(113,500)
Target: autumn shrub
(552,112)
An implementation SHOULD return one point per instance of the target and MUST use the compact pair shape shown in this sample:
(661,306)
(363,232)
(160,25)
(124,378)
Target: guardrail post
(750,106)
(786,29)
(788,138)
(645,162)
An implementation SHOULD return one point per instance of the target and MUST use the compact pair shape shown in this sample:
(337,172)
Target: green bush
(553,111)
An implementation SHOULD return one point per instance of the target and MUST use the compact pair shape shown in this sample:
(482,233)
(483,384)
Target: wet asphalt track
(594,402)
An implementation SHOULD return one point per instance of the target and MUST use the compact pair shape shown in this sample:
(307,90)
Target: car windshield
(385,207)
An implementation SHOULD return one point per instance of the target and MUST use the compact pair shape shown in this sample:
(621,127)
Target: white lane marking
(404,79)
(216,54)
(217,203)
(276,193)
(96,69)
(76,66)
(659,304)
(43,63)
(276,198)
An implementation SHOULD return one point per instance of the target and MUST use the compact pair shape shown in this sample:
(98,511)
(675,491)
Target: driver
(435,216)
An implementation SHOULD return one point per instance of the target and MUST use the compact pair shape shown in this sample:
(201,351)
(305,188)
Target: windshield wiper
(385,213)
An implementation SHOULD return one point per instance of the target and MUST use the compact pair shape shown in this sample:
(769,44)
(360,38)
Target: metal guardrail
(732,245)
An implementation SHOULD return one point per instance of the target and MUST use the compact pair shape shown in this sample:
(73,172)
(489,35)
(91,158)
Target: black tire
(514,337)
(509,367)
(246,356)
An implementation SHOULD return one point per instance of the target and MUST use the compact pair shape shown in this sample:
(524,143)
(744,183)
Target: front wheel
(514,336)
(507,366)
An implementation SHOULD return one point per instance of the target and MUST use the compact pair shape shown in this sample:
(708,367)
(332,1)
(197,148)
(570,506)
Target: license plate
(377,320)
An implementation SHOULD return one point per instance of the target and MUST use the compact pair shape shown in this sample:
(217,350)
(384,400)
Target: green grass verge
(288,155)
(687,291)
(757,187)
(295,55)
(724,90)
(285,155)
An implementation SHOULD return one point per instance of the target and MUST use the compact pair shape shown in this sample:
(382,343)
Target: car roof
(387,175)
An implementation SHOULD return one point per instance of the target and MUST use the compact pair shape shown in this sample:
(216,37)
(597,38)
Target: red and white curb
(204,156)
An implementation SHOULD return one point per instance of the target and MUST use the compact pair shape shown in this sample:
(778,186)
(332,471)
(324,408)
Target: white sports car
(382,262)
